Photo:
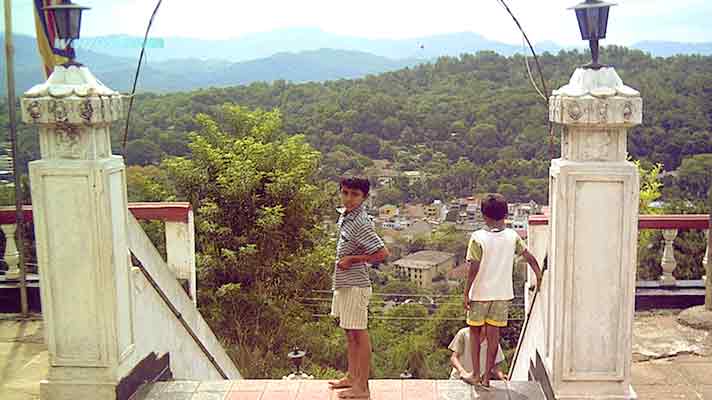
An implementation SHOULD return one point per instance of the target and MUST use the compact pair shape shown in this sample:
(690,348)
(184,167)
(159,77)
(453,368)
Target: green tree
(143,152)
(650,190)
(259,239)
(694,176)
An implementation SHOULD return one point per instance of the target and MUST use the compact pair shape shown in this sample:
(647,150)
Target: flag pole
(11,105)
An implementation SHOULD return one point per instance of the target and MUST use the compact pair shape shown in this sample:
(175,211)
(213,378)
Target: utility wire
(541,76)
(531,48)
(138,71)
(529,72)
(410,318)
(329,292)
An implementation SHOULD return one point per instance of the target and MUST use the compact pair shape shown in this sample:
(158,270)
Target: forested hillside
(469,122)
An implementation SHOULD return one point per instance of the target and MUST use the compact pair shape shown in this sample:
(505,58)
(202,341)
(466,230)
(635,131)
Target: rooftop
(424,259)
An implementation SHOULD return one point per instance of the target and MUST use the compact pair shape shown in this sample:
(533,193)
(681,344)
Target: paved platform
(687,377)
(319,390)
(670,362)
(23,358)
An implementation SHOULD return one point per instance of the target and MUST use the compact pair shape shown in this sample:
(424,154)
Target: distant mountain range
(298,55)
(293,40)
(192,73)
(667,49)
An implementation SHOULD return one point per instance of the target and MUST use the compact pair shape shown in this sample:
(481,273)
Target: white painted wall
(158,330)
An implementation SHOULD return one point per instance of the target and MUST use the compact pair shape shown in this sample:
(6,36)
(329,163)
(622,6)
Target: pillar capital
(73,111)
(596,109)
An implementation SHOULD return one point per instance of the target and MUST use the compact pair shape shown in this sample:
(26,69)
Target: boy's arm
(521,250)
(374,247)
(378,256)
(472,270)
(474,255)
(455,361)
(534,264)
(458,346)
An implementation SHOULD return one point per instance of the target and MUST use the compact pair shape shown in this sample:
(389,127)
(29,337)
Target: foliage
(257,182)
(259,239)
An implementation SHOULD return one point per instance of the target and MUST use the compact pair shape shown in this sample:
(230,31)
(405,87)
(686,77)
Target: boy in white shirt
(489,291)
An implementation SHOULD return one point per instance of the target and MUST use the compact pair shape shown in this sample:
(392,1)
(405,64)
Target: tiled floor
(319,390)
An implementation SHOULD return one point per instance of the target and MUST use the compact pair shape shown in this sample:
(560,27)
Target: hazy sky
(631,20)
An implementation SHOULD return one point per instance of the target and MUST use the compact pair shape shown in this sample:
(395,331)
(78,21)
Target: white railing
(179,236)
(539,338)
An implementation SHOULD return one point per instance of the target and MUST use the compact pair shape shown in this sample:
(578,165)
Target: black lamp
(406,375)
(592,18)
(68,18)
(296,356)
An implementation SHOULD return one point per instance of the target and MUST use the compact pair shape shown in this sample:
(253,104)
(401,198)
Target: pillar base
(630,395)
(12,274)
(55,390)
(668,281)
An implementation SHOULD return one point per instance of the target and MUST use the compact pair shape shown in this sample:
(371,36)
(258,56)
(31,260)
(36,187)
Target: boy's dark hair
(494,206)
(356,182)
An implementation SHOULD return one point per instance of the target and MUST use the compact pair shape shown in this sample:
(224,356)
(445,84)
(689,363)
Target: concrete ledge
(696,317)
(52,390)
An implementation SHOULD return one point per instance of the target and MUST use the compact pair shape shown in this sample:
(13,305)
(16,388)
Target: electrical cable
(135,82)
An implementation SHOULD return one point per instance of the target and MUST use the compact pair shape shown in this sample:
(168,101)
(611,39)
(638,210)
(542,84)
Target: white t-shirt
(461,345)
(495,250)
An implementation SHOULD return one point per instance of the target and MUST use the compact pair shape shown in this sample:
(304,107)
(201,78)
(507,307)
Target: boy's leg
(351,356)
(364,354)
(476,321)
(475,332)
(337,311)
(359,373)
(358,325)
(347,379)
(492,337)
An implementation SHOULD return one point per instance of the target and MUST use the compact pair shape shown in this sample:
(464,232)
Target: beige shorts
(350,306)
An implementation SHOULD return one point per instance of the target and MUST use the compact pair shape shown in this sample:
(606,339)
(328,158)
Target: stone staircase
(387,389)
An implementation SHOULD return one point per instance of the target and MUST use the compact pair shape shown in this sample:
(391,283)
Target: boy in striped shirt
(358,245)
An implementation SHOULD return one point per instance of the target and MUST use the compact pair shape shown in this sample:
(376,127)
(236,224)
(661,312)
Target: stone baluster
(668,262)
(12,256)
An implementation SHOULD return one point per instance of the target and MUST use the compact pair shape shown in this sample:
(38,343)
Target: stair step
(381,389)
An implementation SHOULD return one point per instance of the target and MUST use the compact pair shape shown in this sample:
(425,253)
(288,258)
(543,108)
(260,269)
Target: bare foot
(342,383)
(470,378)
(499,375)
(354,393)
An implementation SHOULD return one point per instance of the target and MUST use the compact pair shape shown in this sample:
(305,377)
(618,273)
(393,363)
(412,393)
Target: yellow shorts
(495,313)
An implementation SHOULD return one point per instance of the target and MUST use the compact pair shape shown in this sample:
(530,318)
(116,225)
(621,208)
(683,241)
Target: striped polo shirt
(357,237)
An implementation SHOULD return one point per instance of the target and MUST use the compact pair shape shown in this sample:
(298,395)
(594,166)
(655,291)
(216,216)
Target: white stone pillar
(594,222)
(79,209)
(180,252)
